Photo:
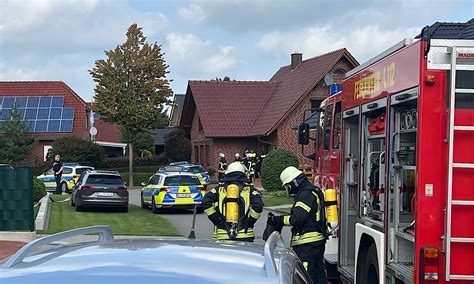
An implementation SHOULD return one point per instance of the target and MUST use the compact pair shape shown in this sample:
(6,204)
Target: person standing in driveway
(58,172)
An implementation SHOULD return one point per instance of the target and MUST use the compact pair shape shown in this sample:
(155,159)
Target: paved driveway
(182,219)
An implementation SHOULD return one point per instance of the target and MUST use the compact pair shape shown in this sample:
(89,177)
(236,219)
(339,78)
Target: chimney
(296,59)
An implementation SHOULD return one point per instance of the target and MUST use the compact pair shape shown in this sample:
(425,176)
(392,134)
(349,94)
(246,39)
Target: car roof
(104,172)
(162,260)
(173,174)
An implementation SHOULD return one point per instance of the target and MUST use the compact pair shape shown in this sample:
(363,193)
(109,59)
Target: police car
(199,171)
(71,173)
(172,189)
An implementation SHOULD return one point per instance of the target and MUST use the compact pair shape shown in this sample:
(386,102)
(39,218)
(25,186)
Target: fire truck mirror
(303,133)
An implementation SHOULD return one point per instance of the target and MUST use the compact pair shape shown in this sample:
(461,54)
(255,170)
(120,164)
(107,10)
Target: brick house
(51,110)
(230,116)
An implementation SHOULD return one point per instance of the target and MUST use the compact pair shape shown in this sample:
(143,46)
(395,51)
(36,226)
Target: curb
(42,219)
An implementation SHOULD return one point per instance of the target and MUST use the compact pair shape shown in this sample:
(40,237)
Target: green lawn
(276,198)
(137,222)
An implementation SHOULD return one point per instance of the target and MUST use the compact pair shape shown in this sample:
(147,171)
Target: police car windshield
(181,180)
(196,169)
(104,179)
(79,171)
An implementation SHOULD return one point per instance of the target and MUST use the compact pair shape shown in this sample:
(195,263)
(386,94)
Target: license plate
(184,195)
(105,194)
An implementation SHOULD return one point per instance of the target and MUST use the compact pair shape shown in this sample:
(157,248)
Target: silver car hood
(140,260)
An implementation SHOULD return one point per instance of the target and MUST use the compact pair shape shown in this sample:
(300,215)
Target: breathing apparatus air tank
(232,209)
(330,197)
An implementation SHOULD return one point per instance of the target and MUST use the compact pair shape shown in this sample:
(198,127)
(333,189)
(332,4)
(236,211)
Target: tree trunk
(130,164)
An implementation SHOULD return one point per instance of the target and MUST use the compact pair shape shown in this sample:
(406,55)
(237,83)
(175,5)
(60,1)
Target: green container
(16,199)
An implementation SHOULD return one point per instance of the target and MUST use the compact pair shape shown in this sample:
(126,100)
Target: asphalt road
(182,219)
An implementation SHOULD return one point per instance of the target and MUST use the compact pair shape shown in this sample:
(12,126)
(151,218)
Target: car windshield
(181,180)
(105,179)
(196,169)
(79,171)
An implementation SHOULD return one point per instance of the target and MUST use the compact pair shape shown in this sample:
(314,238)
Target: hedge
(138,178)
(273,164)
(39,189)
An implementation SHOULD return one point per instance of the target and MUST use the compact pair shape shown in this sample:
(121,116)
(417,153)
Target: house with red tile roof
(51,110)
(230,116)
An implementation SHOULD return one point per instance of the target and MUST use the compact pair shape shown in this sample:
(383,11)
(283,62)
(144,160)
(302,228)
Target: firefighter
(237,157)
(234,206)
(308,221)
(251,164)
(222,166)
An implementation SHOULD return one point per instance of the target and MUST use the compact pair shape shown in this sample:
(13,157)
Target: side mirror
(143,183)
(303,133)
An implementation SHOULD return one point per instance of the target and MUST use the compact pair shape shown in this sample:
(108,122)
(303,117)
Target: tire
(144,206)
(154,209)
(64,188)
(124,209)
(369,271)
(72,202)
(79,208)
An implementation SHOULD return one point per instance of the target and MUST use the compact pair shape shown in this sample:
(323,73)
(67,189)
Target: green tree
(15,144)
(273,164)
(177,146)
(75,149)
(143,142)
(131,86)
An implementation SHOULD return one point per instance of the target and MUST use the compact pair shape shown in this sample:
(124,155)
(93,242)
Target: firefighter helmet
(289,174)
(235,167)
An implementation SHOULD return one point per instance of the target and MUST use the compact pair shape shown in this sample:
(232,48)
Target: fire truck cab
(396,143)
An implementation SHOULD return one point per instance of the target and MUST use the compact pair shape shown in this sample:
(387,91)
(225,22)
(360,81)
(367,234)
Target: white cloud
(192,13)
(362,41)
(191,55)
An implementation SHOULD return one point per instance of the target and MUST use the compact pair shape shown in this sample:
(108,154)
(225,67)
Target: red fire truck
(397,145)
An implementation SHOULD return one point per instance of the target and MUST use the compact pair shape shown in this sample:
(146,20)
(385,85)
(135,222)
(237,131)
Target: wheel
(142,202)
(124,209)
(72,202)
(154,209)
(64,187)
(369,271)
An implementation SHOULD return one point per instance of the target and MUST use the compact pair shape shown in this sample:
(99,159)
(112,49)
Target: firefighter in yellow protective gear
(308,222)
(233,206)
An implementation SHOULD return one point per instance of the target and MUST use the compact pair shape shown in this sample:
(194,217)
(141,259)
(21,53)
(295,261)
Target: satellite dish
(328,79)
(93,131)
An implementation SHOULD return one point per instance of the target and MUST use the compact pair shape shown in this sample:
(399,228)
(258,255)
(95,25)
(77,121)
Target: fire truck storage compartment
(402,179)
(349,186)
(373,164)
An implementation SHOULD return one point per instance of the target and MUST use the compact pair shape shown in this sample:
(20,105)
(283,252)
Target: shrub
(210,171)
(138,178)
(75,149)
(177,146)
(39,189)
(273,164)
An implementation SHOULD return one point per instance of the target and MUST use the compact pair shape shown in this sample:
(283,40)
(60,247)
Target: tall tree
(14,142)
(131,86)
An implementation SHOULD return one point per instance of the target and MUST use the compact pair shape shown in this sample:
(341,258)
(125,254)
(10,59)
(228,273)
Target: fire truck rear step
(347,270)
(465,128)
(463,202)
(462,240)
(463,165)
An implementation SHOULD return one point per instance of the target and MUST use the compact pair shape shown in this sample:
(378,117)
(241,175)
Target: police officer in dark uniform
(58,172)
(249,200)
(308,221)
(222,166)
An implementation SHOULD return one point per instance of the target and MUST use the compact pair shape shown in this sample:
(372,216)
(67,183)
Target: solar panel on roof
(41,114)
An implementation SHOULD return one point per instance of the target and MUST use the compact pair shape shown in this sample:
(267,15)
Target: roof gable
(231,107)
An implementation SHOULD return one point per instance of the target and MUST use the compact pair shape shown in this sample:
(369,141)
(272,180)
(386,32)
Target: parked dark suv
(100,189)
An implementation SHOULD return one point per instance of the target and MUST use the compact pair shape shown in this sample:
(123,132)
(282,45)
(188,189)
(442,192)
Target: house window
(315,104)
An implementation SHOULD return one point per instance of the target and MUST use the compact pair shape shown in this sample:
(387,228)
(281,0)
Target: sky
(59,40)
